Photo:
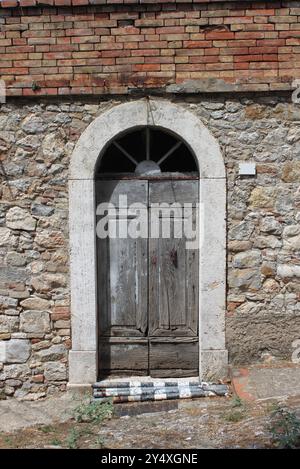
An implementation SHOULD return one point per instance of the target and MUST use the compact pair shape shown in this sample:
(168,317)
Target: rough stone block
(18,218)
(35,322)
(55,371)
(15,351)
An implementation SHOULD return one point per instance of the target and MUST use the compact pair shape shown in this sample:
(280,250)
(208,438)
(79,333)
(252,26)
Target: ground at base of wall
(243,419)
(202,423)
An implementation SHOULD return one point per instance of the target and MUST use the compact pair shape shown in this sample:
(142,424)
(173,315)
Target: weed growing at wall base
(93,412)
(285,428)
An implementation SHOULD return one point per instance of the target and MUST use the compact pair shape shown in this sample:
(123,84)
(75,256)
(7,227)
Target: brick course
(99,47)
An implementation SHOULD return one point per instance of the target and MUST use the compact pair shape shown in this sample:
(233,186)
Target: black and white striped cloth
(156,390)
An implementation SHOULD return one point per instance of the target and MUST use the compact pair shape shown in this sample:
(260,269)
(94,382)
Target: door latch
(174,257)
(153,260)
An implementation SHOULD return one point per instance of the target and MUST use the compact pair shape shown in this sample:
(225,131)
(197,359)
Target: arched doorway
(186,127)
(147,192)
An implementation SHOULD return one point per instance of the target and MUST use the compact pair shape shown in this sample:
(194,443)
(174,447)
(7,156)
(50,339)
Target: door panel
(111,190)
(123,302)
(173,357)
(173,191)
(173,269)
(173,288)
(123,356)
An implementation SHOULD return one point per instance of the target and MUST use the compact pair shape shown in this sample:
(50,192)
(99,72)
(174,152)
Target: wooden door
(148,287)
(122,286)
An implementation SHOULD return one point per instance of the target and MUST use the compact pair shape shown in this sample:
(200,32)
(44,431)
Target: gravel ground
(200,423)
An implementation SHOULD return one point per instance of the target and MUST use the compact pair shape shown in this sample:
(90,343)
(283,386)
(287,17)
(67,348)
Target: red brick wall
(96,49)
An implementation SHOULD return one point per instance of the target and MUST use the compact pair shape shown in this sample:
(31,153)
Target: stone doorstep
(148,407)
(156,389)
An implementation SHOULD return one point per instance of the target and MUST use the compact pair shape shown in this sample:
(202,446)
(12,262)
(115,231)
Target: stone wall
(36,142)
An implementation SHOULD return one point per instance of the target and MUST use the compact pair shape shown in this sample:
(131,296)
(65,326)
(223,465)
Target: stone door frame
(83,358)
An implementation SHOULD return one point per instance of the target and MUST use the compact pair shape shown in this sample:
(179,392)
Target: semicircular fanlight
(146,151)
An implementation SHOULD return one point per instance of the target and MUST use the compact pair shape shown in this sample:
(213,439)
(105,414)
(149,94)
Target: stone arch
(161,113)
(138,113)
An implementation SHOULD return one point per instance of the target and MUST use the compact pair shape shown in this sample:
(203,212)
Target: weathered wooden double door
(147,280)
